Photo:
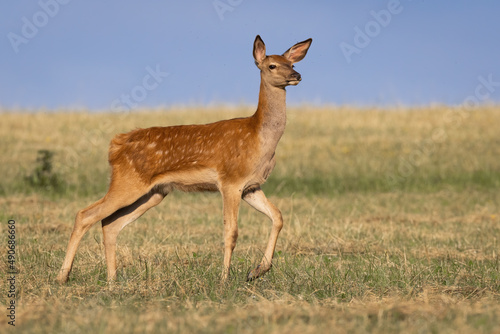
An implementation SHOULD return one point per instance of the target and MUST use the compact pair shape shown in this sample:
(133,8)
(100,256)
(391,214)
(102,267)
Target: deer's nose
(296,76)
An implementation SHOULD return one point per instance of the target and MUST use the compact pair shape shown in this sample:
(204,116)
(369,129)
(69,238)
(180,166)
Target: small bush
(44,177)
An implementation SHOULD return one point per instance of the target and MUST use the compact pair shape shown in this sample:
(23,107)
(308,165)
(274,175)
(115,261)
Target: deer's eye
(272,67)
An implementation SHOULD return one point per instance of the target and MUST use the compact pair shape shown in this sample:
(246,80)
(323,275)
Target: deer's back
(228,148)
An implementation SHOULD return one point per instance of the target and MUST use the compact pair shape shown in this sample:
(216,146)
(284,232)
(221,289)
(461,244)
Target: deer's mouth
(293,82)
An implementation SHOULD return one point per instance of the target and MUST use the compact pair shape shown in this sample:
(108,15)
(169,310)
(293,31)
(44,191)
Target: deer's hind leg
(113,224)
(119,195)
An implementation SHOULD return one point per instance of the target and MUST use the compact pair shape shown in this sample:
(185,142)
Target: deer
(234,157)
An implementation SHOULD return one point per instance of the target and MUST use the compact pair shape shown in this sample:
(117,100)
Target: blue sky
(90,54)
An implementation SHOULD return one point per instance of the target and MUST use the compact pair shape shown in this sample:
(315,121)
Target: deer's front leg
(231,203)
(259,201)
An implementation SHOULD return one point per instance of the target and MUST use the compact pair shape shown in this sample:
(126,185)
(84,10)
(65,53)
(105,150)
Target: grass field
(392,225)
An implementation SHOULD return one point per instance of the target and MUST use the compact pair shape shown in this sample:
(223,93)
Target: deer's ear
(259,50)
(297,52)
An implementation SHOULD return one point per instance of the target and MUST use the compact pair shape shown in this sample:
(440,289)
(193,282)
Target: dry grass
(391,225)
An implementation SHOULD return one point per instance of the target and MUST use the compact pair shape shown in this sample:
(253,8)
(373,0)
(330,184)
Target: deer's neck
(271,114)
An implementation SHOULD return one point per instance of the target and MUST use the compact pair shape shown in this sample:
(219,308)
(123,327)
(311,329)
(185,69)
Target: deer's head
(278,70)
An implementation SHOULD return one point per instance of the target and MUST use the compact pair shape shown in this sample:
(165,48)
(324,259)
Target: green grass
(376,239)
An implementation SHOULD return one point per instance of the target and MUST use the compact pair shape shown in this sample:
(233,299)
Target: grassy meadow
(392,225)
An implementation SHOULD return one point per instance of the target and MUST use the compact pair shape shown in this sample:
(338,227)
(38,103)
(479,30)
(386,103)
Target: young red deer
(232,156)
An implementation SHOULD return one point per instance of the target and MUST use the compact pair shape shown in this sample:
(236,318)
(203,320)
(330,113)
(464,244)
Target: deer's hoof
(257,272)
